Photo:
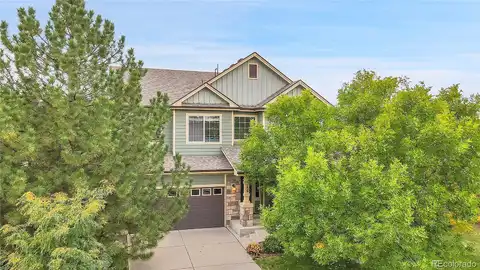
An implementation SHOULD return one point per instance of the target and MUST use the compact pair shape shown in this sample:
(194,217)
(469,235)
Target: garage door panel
(204,212)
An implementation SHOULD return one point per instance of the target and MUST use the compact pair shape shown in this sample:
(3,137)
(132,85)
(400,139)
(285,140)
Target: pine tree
(72,122)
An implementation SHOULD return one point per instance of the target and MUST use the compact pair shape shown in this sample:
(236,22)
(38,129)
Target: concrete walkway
(200,249)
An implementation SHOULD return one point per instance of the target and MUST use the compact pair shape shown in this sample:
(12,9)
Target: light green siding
(260,118)
(296,91)
(205,96)
(201,149)
(202,179)
(168,131)
(244,91)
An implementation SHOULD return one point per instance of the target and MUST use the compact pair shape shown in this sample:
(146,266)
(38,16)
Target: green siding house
(212,113)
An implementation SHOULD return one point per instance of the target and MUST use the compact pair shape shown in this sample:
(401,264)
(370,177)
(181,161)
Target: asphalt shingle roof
(200,163)
(232,153)
(174,83)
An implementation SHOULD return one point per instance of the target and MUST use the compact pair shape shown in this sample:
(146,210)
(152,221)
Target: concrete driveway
(200,249)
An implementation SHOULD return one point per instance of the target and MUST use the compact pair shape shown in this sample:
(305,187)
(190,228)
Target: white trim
(170,196)
(202,114)
(233,130)
(243,61)
(248,71)
(221,191)
(206,189)
(204,172)
(225,109)
(208,186)
(230,102)
(233,123)
(305,86)
(263,120)
(197,186)
(174,133)
(199,192)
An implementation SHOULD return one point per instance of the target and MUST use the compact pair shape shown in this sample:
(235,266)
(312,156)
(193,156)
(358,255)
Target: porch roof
(232,153)
(200,163)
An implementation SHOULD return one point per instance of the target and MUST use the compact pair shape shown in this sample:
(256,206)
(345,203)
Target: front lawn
(473,238)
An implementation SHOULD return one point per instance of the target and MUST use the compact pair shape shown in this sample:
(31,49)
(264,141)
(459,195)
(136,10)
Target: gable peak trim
(304,85)
(230,102)
(242,61)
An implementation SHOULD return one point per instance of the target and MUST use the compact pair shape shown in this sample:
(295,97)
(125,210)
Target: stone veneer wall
(232,200)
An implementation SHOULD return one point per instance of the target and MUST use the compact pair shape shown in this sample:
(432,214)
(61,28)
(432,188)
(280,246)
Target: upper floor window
(242,126)
(203,128)
(252,71)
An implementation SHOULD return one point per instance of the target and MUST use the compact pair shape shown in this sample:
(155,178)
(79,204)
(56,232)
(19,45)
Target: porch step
(261,233)
(245,231)
(256,236)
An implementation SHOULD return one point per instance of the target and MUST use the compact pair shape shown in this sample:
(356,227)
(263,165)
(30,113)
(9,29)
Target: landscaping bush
(272,245)
(254,249)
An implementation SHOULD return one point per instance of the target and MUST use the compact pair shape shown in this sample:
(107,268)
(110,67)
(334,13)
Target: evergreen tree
(72,122)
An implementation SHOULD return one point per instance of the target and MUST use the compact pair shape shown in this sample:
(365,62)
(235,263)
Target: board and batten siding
(296,91)
(244,91)
(201,149)
(205,96)
(201,179)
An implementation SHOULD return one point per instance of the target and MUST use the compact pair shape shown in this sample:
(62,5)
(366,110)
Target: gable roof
(242,61)
(289,87)
(182,84)
(230,102)
(174,83)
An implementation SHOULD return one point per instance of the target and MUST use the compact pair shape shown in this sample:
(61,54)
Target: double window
(242,126)
(204,128)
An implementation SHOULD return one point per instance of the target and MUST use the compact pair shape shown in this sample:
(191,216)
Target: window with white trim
(206,191)
(252,71)
(204,128)
(242,126)
(217,191)
(172,193)
(195,192)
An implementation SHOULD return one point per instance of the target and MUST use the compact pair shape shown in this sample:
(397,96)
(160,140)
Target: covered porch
(243,201)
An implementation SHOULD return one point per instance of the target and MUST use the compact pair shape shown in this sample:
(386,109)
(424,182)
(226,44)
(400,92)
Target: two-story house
(211,113)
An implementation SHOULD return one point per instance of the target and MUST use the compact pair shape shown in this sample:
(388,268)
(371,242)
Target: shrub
(272,245)
(254,249)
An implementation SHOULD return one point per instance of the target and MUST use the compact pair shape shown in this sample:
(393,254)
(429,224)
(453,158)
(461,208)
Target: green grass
(473,239)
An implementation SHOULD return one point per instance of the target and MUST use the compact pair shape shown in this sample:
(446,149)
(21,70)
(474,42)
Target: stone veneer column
(232,199)
(246,208)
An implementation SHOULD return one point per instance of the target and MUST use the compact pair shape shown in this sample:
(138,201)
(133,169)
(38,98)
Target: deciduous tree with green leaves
(291,123)
(384,182)
(71,122)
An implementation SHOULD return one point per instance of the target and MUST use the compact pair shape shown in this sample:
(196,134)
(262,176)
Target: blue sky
(322,42)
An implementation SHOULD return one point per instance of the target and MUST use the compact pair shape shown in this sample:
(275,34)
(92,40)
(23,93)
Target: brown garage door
(206,209)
